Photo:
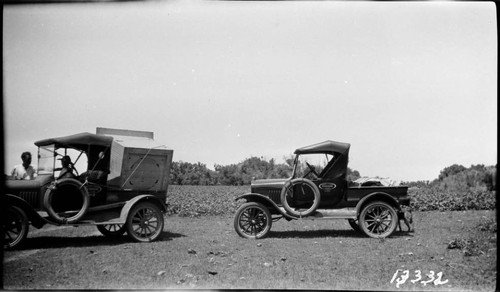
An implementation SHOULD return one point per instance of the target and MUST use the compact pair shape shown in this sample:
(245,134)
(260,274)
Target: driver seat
(96,178)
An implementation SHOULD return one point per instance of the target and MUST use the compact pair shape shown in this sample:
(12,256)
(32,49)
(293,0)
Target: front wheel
(15,226)
(145,222)
(111,230)
(378,219)
(252,220)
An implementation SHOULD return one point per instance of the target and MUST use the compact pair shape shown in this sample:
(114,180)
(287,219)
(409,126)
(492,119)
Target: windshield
(46,159)
(49,164)
(78,160)
(318,161)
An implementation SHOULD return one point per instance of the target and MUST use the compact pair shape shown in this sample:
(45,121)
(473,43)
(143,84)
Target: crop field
(199,249)
(193,201)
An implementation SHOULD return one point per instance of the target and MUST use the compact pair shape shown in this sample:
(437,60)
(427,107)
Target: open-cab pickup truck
(318,189)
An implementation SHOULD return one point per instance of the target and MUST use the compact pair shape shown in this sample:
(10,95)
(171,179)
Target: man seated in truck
(67,168)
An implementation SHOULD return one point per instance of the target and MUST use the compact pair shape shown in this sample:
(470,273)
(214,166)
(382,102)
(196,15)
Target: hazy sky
(412,86)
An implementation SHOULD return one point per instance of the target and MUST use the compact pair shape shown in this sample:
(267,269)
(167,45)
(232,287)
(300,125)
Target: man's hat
(65,158)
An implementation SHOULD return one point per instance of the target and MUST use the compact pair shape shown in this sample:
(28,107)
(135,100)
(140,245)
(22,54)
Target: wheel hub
(144,220)
(143,223)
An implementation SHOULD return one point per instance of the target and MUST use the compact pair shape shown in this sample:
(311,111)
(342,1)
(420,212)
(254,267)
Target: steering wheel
(73,169)
(312,170)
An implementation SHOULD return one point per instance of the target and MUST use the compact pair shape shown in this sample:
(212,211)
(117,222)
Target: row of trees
(455,178)
(458,178)
(185,173)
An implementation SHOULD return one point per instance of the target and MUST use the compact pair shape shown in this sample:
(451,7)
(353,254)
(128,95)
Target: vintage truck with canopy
(318,189)
(122,186)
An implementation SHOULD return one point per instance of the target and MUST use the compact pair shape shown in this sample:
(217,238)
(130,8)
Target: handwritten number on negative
(405,275)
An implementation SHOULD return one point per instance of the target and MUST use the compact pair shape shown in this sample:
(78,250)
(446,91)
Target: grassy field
(205,253)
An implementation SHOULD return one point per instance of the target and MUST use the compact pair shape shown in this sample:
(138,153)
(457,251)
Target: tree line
(185,173)
(458,179)
(454,178)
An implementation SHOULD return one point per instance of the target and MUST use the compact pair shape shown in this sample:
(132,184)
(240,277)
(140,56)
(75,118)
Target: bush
(429,199)
(469,247)
(475,246)
(488,225)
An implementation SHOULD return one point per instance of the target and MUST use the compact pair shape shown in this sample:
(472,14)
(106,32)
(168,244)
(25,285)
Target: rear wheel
(112,230)
(252,220)
(15,227)
(378,219)
(145,222)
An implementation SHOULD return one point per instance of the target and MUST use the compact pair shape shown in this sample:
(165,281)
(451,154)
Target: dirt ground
(206,253)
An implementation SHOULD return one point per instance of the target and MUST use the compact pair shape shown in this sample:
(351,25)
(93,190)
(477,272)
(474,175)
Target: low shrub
(469,247)
(477,245)
(488,225)
(428,199)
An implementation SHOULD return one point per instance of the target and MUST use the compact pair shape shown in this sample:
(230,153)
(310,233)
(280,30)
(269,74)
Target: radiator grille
(30,197)
(273,194)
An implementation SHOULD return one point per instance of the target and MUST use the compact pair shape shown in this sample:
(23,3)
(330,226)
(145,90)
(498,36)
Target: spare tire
(66,196)
(299,194)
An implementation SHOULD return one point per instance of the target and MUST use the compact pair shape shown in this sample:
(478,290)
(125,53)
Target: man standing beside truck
(25,170)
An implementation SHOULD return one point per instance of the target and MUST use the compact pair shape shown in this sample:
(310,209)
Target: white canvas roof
(137,142)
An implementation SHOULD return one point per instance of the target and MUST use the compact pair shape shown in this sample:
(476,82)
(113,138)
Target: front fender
(379,196)
(35,219)
(126,209)
(255,197)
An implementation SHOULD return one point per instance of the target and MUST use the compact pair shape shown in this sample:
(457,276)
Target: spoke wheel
(378,219)
(354,225)
(111,230)
(145,222)
(15,227)
(252,220)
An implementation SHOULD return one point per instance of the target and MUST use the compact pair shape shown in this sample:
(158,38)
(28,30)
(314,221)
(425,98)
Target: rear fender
(131,203)
(35,219)
(378,196)
(255,197)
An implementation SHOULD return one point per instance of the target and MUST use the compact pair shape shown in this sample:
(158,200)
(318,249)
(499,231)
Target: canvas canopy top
(79,141)
(329,147)
(83,140)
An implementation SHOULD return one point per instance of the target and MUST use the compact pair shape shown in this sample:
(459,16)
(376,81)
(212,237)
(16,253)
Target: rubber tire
(263,210)
(383,206)
(290,210)
(47,201)
(134,215)
(110,233)
(354,225)
(17,216)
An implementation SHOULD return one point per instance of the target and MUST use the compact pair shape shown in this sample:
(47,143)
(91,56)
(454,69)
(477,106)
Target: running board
(344,213)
